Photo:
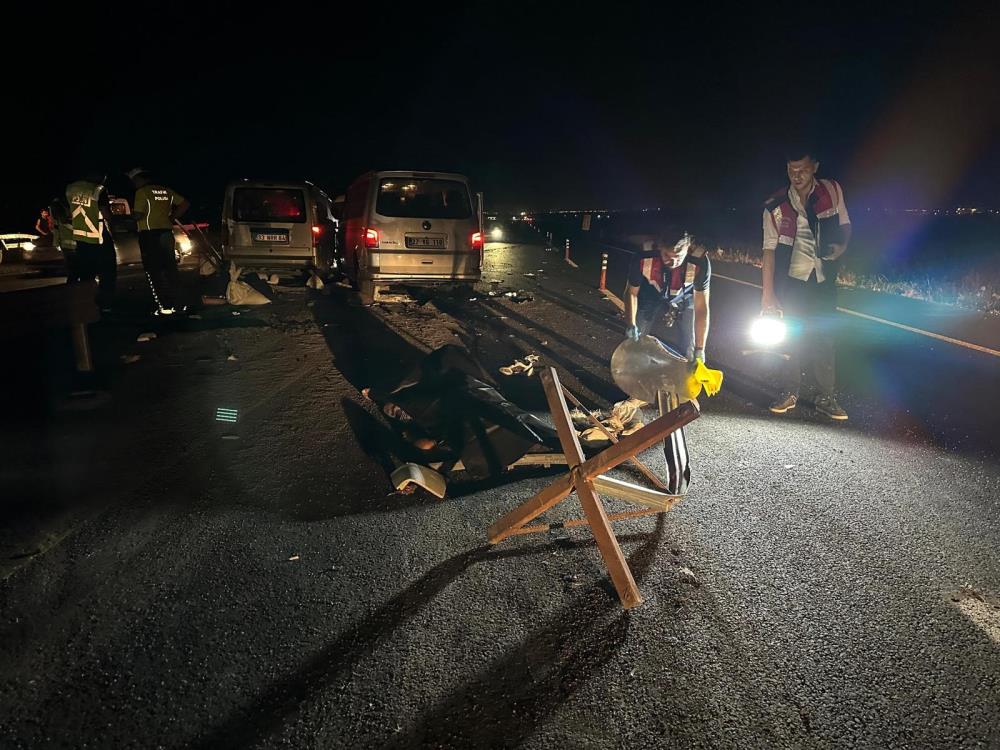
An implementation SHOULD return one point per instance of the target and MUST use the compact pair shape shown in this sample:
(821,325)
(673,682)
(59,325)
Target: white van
(406,228)
(278,226)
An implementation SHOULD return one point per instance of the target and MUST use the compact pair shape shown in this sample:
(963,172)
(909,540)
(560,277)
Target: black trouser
(809,309)
(93,260)
(160,264)
(680,338)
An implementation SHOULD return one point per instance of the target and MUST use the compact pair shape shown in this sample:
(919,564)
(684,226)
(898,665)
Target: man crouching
(668,297)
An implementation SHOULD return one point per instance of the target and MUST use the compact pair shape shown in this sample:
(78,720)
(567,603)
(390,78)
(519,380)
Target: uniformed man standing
(155,208)
(94,256)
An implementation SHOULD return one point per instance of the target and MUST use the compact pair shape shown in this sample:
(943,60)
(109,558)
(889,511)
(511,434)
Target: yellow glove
(702,376)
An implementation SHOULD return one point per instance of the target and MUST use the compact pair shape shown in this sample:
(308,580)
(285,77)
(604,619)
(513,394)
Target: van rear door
(270,224)
(425,227)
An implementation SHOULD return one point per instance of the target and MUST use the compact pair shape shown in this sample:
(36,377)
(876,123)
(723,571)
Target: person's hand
(769,303)
(834,251)
(632,332)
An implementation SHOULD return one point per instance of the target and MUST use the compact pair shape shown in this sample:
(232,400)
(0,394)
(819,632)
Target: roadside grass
(975,290)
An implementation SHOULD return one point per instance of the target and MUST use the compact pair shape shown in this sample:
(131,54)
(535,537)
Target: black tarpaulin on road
(447,397)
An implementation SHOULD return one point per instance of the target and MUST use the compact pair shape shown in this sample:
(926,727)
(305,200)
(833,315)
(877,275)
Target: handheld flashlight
(768,330)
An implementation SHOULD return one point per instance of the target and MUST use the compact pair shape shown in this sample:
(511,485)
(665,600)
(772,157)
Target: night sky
(542,108)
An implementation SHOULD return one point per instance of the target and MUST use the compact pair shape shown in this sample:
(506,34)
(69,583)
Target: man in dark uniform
(668,297)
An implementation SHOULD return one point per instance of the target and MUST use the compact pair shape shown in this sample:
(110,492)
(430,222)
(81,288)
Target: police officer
(667,296)
(156,207)
(94,256)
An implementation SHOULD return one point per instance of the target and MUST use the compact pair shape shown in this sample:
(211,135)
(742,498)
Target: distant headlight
(496,234)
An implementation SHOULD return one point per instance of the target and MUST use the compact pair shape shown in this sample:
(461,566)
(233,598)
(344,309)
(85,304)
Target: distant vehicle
(407,228)
(278,226)
(17,247)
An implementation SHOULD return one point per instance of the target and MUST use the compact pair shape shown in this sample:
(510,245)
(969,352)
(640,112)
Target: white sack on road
(239,292)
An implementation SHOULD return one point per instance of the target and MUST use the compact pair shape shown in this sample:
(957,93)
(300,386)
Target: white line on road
(883,321)
(611,297)
(735,281)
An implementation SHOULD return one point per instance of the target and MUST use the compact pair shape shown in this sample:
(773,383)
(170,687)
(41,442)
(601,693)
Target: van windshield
(423,198)
(269,204)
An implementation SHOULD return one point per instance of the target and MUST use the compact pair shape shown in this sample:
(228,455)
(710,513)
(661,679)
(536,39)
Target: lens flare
(767,331)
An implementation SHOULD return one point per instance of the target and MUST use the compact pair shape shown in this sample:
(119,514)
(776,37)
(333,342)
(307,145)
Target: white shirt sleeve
(842,206)
(770,231)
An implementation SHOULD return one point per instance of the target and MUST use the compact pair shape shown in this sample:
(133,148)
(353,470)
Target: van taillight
(371,239)
(477,241)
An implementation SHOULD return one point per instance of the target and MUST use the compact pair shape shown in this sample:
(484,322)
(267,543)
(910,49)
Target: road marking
(883,321)
(736,281)
(611,297)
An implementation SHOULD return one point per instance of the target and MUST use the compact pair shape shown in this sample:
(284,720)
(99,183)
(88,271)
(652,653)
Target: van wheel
(366,291)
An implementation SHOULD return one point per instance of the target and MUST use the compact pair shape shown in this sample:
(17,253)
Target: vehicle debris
(239,292)
(687,576)
(524,366)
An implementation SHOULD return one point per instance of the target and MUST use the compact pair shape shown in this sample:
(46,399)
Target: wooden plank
(539,459)
(607,543)
(556,492)
(652,433)
(593,509)
(560,416)
(574,522)
(643,469)
(636,494)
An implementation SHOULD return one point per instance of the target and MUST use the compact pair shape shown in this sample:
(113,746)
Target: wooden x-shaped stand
(581,479)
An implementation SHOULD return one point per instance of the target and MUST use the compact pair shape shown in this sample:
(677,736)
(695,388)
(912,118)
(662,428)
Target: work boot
(785,402)
(828,405)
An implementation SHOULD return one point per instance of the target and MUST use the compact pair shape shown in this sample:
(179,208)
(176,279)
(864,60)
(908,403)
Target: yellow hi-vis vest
(88,224)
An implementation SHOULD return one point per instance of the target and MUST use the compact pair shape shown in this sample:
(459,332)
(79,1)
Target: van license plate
(430,242)
(271,235)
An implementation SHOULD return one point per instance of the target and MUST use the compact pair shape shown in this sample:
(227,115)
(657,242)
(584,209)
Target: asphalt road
(173,581)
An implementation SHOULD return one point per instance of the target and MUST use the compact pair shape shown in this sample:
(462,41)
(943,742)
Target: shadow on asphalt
(476,319)
(613,324)
(365,350)
(553,335)
(568,649)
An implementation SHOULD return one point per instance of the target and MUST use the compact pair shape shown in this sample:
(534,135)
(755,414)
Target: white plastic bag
(239,292)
